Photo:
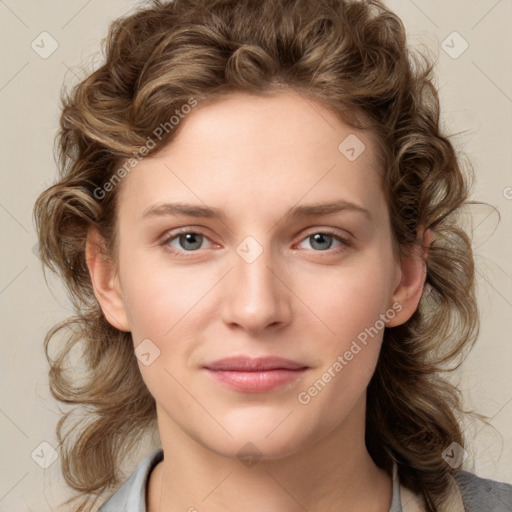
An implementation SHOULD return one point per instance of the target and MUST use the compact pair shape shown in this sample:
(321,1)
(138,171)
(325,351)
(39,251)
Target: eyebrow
(297,212)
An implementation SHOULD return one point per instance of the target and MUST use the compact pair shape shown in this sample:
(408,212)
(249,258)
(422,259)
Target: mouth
(255,375)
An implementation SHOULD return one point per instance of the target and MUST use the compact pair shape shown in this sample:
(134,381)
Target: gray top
(478,494)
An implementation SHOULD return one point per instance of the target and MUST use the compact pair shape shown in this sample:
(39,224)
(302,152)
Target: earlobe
(105,282)
(413,268)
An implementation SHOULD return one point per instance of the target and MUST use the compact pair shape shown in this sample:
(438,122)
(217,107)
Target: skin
(255,158)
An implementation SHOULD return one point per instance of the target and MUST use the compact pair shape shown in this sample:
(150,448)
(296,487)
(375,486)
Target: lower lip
(256,382)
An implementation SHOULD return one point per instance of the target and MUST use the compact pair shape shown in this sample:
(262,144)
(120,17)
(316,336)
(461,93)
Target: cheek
(350,306)
(169,306)
(163,308)
(159,298)
(348,350)
(349,300)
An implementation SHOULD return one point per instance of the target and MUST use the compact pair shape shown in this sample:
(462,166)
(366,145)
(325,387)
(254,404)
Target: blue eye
(322,241)
(187,242)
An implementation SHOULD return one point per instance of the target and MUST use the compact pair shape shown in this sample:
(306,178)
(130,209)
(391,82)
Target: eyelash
(175,234)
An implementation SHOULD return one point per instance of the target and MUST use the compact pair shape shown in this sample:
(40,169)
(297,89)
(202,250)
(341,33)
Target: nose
(255,294)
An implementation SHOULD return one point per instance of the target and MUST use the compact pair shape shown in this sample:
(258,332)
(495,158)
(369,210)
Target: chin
(250,443)
(251,451)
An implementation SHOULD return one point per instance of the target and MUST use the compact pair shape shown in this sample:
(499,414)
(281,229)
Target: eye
(323,240)
(183,242)
(188,241)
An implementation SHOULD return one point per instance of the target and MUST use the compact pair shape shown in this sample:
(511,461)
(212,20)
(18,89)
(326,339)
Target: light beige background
(476,94)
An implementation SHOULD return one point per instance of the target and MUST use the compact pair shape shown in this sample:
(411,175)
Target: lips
(259,364)
(255,375)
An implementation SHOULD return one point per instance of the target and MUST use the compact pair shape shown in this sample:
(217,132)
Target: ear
(105,282)
(413,272)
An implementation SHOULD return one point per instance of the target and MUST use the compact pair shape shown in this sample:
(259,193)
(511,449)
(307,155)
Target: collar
(131,496)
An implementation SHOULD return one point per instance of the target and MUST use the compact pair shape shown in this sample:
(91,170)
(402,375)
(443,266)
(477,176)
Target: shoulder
(480,494)
(131,496)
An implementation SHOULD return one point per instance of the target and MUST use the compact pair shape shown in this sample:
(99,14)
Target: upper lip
(248,364)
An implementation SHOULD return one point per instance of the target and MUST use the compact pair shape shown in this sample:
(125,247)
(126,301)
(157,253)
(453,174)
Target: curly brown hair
(350,55)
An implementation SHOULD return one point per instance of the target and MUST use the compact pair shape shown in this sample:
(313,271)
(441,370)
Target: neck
(334,474)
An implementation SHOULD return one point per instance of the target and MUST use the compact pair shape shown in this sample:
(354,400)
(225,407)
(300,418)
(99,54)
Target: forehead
(278,124)
(265,150)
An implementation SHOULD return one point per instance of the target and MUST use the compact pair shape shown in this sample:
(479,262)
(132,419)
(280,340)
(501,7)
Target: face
(266,276)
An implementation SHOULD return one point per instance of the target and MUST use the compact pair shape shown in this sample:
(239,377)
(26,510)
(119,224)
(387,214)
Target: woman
(282,375)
